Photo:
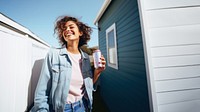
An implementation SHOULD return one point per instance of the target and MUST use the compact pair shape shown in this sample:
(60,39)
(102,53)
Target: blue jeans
(75,107)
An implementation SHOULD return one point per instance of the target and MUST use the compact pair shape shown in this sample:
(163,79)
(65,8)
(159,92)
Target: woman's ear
(81,33)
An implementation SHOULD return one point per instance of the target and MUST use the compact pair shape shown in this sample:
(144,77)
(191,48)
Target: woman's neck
(73,49)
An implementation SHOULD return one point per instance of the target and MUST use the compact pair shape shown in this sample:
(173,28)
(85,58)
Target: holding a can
(99,64)
(97,60)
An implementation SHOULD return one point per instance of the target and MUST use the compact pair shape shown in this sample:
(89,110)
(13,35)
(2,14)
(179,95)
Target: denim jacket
(53,84)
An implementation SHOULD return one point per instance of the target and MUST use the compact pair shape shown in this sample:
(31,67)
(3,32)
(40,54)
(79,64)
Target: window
(111,47)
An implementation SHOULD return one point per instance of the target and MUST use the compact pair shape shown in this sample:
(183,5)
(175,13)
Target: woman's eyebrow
(70,25)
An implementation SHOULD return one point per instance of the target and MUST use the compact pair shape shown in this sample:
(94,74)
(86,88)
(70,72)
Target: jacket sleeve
(96,84)
(41,92)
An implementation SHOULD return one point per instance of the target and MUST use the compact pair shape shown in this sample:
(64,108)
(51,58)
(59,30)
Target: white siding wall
(171,31)
(17,57)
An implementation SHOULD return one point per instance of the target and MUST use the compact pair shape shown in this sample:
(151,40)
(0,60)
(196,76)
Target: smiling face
(71,32)
(69,28)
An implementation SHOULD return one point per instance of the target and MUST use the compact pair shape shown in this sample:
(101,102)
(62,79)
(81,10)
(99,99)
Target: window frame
(108,30)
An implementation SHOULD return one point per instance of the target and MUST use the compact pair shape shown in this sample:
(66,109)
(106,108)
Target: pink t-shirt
(76,83)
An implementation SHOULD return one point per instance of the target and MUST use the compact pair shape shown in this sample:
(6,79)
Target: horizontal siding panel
(173,17)
(189,106)
(131,23)
(133,68)
(176,72)
(155,4)
(131,46)
(174,35)
(134,43)
(175,50)
(132,37)
(127,80)
(177,85)
(120,83)
(133,60)
(178,96)
(131,54)
(130,32)
(124,15)
(128,36)
(135,50)
(135,73)
(176,61)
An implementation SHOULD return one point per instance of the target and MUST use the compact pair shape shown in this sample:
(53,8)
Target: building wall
(124,89)
(171,36)
(19,52)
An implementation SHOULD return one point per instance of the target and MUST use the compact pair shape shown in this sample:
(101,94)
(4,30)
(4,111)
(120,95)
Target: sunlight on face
(71,32)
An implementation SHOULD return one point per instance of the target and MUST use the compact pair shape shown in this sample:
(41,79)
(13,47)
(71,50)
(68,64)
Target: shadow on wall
(33,82)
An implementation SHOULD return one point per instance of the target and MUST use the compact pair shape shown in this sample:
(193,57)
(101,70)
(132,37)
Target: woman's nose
(68,28)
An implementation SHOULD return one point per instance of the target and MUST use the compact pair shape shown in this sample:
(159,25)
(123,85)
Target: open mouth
(68,33)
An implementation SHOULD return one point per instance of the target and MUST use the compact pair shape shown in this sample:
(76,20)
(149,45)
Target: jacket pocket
(58,73)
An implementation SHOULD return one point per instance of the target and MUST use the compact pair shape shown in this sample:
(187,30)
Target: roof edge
(102,10)
(13,24)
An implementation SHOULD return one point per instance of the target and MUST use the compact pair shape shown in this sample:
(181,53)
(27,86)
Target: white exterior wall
(171,36)
(19,52)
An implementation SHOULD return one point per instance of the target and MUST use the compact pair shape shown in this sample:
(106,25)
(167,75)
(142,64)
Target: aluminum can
(97,60)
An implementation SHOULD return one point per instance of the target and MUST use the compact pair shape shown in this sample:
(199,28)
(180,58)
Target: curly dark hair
(60,27)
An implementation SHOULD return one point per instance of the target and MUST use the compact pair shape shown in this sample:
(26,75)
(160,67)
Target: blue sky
(39,15)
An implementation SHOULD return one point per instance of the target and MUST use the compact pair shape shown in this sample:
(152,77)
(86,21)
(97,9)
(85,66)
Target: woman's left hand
(103,67)
(98,70)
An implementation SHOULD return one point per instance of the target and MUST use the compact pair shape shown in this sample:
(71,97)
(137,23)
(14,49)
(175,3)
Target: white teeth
(69,33)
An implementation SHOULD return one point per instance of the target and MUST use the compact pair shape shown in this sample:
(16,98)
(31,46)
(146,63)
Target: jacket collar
(63,51)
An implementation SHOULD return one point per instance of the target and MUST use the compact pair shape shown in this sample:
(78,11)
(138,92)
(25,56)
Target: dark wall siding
(124,89)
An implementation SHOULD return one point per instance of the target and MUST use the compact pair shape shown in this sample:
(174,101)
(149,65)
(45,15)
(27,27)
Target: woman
(66,80)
